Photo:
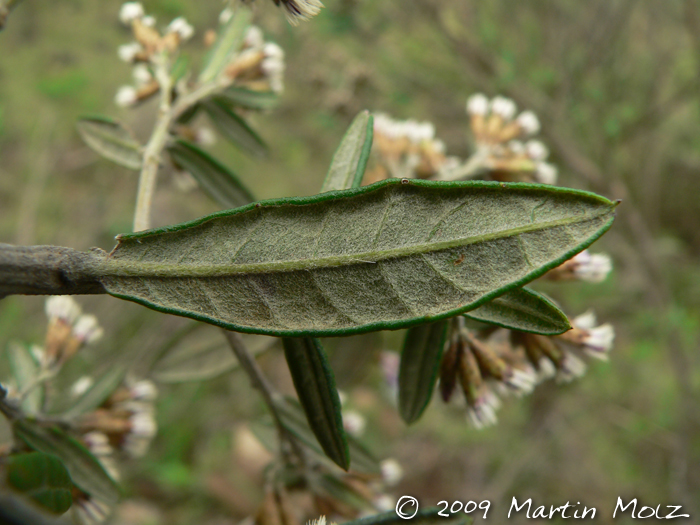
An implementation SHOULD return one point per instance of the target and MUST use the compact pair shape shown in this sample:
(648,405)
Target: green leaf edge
(322,197)
(116,122)
(13,463)
(337,449)
(417,412)
(541,297)
(221,106)
(364,152)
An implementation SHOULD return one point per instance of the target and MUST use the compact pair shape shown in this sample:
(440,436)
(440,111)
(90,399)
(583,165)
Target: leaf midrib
(129,268)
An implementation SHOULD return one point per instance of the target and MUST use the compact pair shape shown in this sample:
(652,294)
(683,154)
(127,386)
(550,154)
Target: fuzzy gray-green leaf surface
(524,310)
(386,256)
(112,140)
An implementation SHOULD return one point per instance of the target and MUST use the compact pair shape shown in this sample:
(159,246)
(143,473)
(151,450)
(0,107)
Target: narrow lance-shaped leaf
(84,469)
(41,477)
(315,386)
(25,371)
(98,392)
(350,159)
(386,256)
(294,420)
(226,45)
(248,99)
(524,310)
(215,178)
(234,128)
(420,362)
(112,140)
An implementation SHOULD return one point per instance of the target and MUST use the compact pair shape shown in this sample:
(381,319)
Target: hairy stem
(49,270)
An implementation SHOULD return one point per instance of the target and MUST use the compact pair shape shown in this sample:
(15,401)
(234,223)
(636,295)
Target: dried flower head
(131,11)
(297,10)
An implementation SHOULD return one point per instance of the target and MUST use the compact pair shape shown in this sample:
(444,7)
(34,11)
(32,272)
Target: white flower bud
(384,503)
(130,11)
(272,50)
(126,96)
(354,423)
(62,307)
(254,38)
(142,75)
(225,15)
(546,173)
(392,472)
(144,390)
(478,104)
(593,268)
(528,122)
(128,52)
(536,150)
(182,28)
(81,386)
(87,329)
(503,107)
(149,21)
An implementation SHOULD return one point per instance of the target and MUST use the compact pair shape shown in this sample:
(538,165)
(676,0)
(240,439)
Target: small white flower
(598,340)
(254,38)
(593,268)
(144,390)
(546,173)
(81,386)
(545,369)
(418,132)
(182,28)
(570,368)
(354,423)
(301,9)
(319,521)
(529,123)
(149,21)
(130,11)
(126,96)
(90,510)
(384,503)
(392,472)
(478,104)
(87,329)
(521,381)
(98,443)
(483,414)
(62,307)
(503,107)
(225,15)
(272,50)
(142,75)
(143,424)
(206,136)
(536,150)
(128,52)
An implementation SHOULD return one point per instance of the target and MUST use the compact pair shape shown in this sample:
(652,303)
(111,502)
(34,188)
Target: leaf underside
(111,140)
(386,256)
(524,310)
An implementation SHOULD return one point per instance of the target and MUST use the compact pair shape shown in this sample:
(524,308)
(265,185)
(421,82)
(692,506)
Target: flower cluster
(297,10)
(68,331)
(504,142)
(406,149)
(259,65)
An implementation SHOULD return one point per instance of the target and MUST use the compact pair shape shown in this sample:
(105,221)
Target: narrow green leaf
(248,99)
(524,310)
(215,178)
(340,491)
(112,140)
(420,362)
(84,469)
(227,44)
(315,386)
(41,477)
(386,256)
(294,420)
(234,128)
(423,517)
(350,159)
(98,392)
(25,371)
(15,510)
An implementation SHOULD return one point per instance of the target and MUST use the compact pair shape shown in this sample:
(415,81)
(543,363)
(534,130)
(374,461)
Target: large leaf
(15,510)
(226,45)
(84,469)
(350,159)
(41,477)
(423,517)
(111,140)
(248,99)
(524,310)
(234,128)
(294,420)
(215,178)
(420,362)
(386,256)
(315,386)
(25,371)
(98,392)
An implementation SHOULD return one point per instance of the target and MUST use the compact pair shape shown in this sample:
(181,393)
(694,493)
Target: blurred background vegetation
(617,87)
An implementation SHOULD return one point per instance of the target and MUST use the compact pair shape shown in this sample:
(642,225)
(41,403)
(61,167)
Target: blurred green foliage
(616,85)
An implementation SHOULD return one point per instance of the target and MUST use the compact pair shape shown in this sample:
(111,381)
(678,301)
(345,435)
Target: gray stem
(48,270)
